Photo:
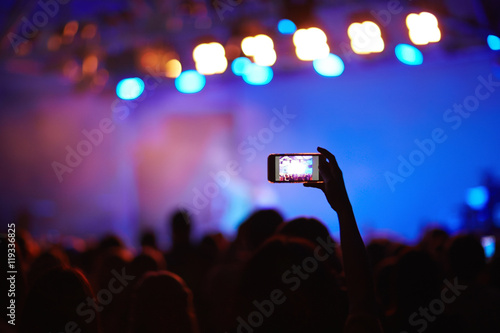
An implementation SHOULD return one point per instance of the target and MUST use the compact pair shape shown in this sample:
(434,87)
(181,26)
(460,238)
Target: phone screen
(294,168)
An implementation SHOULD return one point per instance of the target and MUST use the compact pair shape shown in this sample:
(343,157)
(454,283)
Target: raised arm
(360,290)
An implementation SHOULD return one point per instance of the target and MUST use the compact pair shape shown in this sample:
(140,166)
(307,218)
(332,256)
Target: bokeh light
(261,48)
(239,65)
(332,65)
(190,82)
(130,88)
(477,197)
(173,68)
(423,28)
(257,75)
(210,58)
(310,44)
(493,42)
(366,37)
(286,27)
(408,54)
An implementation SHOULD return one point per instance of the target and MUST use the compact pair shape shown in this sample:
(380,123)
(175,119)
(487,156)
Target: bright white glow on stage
(329,66)
(310,44)
(477,197)
(365,38)
(408,54)
(493,42)
(130,88)
(423,28)
(210,58)
(257,75)
(261,48)
(190,82)
(286,27)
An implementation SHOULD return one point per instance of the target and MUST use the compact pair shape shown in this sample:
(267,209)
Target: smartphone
(294,168)
(488,243)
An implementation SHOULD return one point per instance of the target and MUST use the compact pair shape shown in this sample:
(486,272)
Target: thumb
(321,186)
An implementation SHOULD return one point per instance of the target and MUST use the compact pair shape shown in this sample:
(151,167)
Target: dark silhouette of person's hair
(148,239)
(466,257)
(259,226)
(53,301)
(311,229)
(52,258)
(309,302)
(162,302)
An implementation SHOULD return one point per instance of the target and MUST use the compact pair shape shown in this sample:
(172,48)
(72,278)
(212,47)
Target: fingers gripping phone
(294,168)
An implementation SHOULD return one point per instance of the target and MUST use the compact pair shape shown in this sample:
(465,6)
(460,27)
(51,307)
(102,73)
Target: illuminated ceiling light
(286,27)
(257,75)
(493,42)
(409,55)
(89,65)
(89,31)
(329,66)
(210,58)
(173,68)
(310,44)
(423,28)
(130,88)
(365,38)
(190,82)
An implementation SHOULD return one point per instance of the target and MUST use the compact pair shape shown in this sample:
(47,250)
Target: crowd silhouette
(275,276)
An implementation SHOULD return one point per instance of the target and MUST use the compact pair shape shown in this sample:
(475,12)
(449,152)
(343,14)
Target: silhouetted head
(312,230)
(466,257)
(162,302)
(180,225)
(284,274)
(148,238)
(52,258)
(53,302)
(109,242)
(149,260)
(259,226)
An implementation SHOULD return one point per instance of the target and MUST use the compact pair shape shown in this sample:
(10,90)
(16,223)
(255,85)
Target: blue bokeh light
(130,88)
(409,55)
(257,75)
(286,27)
(239,65)
(477,197)
(190,82)
(493,42)
(329,66)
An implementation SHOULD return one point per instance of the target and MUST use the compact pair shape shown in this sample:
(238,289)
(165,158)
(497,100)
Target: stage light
(408,54)
(257,75)
(90,64)
(365,38)
(423,28)
(261,48)
(130,88)
(190,82)
(493,42)
(239,65)
(286,27)
(488,243)
(173,68)
(310,44)
(210,58)
(329,66)
(477,197)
